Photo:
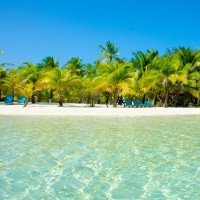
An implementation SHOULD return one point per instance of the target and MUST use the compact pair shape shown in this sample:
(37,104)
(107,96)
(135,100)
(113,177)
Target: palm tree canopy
(109,52)
(142,61)
(75,66)
(49,62)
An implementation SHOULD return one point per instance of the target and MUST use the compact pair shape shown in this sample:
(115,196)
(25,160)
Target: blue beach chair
(147,104)
(21,100)
(9,99)
(128,103)
(138,104)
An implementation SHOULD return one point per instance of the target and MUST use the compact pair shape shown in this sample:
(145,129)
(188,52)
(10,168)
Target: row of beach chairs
(129,103)
(10,99)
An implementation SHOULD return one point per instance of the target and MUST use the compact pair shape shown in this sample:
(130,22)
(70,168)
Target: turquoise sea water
(100,157)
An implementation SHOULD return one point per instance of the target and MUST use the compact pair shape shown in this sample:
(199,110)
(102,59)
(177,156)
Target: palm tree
(47,64)
(26,89)
(11,82)
(171,72)
(115,76)
(2,76)
(191,61)
(2,72)
(58,79)
(90,70)
(109,52)
(30,74)
(141,63)
(187,55)
(75,66)
(90,90)
(149,85)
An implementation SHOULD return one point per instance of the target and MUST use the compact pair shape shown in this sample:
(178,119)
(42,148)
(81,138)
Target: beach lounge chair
(9,99)
(147,104)
(128,103)
(138,104)
(21,100)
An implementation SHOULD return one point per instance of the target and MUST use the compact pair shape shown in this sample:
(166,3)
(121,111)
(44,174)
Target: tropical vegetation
(172,79)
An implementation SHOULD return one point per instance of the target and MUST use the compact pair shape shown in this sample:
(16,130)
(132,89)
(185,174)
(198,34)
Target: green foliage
(75,66)
(146,76)
(109,52)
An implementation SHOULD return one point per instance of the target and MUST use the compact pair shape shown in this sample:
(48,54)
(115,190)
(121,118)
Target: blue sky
(34,29)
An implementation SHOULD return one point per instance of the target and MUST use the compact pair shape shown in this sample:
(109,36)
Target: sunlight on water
(99,157)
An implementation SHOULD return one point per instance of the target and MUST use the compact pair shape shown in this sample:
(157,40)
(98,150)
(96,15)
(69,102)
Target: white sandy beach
(85,110)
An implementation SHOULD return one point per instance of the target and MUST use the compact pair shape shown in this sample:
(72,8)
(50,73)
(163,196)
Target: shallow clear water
(99,157)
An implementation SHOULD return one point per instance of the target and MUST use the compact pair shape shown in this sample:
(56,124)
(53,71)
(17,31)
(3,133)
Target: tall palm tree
(58,79)
(149,85)
(170,72)
(116,77)
(190,60)
(30,74)
(109,52)
(47,64)
(89,90)
(141,62)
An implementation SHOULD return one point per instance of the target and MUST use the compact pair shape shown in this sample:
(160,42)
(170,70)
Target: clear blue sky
(31,30)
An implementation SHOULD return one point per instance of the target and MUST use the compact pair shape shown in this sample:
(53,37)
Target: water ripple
(99,158)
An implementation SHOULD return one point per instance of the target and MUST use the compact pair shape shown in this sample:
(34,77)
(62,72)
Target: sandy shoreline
(85,110)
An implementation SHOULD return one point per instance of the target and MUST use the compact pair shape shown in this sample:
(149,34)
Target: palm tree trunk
(196,101)
(93,100)
(143,99)
(39,97)
(115,99)
(107,96)
(60,99)
(166,98)
(110,58)
(26,102)
(33,96)
(50,96)
(155,100)
(177,100)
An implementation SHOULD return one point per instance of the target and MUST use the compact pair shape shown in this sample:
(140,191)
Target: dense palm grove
(172,79)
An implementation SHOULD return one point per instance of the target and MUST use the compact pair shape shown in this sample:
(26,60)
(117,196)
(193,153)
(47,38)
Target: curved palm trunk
(60,98)
(166,98)
(26,102)
(107,96)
